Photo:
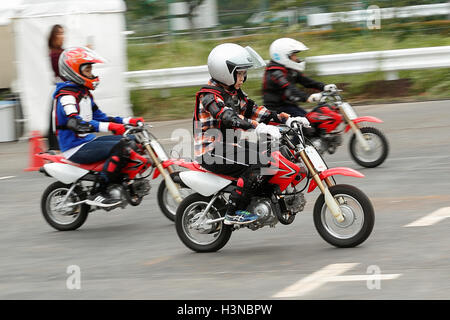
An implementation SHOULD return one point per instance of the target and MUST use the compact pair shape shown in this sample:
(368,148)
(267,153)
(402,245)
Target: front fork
(355,128)
(171,186)
(329,199)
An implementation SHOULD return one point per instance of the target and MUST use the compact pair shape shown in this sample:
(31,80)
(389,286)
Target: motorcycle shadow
(102,231)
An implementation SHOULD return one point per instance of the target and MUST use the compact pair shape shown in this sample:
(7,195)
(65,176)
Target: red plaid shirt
(204,120)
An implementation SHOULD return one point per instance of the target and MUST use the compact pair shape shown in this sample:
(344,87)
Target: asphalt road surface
(135,253)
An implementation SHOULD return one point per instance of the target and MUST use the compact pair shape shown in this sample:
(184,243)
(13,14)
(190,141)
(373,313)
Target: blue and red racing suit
(75,117)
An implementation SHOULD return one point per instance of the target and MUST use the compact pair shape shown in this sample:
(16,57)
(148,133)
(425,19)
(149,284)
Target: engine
(271,213)
(294,203)
(117,192)
(137,190)
(142,187)
(327,142)
(264,208)
(321,146)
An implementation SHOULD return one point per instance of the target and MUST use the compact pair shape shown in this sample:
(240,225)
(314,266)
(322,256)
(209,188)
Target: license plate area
(316,159)
(349,111)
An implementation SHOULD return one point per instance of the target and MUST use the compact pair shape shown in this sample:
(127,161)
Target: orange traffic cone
(36,146)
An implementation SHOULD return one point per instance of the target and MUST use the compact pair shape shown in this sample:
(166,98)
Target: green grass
(182,53)
(426,84)
(179,103)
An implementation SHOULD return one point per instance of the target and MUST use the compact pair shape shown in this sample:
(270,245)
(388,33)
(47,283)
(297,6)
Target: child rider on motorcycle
(223,106)
(284,71)
(76,116)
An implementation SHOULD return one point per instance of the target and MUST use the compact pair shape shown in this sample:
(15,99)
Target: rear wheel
(378,152)
(192,229)
(359,217)
(56,211)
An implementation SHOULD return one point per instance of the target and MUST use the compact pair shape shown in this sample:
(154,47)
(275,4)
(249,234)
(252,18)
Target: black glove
(79,126)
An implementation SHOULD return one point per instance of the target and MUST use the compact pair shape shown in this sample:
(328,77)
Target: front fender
(335,171)
(364,119)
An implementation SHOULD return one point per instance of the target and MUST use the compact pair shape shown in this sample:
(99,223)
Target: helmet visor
(258,61)
(96,63)
(252,60)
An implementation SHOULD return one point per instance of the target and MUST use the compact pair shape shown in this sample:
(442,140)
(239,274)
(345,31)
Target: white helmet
(225,59)
(281,49)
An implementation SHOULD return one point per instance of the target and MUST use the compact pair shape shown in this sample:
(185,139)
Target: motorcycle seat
(200,168)
(59,158)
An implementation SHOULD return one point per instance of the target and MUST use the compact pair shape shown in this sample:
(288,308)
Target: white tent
(99,23)
(7,74)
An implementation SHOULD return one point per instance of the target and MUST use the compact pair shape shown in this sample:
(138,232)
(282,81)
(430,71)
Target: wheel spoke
(200,233)
(62,215)
(353,214)
(378,148)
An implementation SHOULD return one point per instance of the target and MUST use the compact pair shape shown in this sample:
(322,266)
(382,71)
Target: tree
(192,6)
(137,9)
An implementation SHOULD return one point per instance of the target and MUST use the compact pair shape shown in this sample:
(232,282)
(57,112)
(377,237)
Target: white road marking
(432,218)
(314,280)
(168,139)
(8,177)
(397,159)
(364,277)
(330,273)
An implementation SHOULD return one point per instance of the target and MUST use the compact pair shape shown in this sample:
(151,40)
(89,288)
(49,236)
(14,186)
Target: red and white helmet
(281,49)
(72,60)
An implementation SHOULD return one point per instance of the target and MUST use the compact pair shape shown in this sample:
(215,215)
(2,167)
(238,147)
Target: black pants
(243,162)
(292,110)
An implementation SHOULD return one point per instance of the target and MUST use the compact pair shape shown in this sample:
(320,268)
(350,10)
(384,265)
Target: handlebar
(132,129)
(333,94)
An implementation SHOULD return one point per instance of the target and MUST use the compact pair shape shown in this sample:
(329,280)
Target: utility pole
(169,28)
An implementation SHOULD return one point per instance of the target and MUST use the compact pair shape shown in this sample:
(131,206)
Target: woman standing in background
(55,46)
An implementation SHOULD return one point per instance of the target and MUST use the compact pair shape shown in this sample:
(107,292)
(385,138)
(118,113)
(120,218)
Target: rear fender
(51,157)
(364,119)
(59,158)
(335,171)
(204,183)
(64,172)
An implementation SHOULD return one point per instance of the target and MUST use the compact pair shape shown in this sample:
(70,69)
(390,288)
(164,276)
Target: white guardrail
(337,64)
(319,19)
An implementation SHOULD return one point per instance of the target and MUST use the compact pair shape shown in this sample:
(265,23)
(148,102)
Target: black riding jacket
(279,86)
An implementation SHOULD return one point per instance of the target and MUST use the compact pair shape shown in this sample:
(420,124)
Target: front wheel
(56,211)
(359,217)
(378,152)
(192,229)
(167,203)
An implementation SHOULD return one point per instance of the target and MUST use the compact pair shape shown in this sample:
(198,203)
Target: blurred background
(379,52)
(140,37)
(168,34)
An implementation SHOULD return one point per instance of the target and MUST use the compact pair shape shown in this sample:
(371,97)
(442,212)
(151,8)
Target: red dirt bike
(333,117)
(65,204)
(343,214)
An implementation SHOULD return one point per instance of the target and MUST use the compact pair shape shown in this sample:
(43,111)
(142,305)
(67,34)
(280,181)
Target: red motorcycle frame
(199,218)
(333,117)
(66,203)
